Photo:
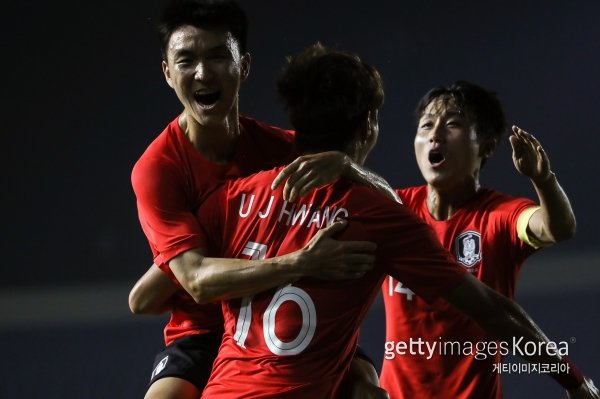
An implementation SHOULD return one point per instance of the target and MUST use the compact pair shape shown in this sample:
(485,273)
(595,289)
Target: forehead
(443,106)
(192,38)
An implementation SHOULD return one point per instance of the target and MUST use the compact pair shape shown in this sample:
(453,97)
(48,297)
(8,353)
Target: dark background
(83,96)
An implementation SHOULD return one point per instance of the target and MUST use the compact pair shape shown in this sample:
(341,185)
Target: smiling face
(447,148)
(205,68)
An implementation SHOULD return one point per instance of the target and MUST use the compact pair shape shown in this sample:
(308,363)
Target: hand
(311,171)
(587,390)
(529,157)
(328,259)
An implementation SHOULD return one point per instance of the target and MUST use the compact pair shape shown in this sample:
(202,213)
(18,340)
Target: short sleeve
(162,205)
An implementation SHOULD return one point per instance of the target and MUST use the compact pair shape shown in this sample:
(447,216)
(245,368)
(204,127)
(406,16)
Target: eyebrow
(450,113)
(189,51)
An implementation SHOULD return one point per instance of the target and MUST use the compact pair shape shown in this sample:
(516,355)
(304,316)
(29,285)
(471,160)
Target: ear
(488,147)
(364,129)
(245,69)
(167,73)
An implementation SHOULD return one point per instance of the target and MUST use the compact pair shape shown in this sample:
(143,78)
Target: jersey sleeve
(514,214)
(162,209)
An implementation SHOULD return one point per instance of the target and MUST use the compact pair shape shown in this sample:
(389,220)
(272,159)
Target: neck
(214,142)
(443,203)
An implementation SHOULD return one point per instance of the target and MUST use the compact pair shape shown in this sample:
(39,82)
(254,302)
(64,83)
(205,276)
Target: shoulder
(260,181)
(496,201)
(262,131)
(158,160)
(412,196)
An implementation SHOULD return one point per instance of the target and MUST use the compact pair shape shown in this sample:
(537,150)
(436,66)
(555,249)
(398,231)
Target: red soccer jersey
(297,341)
(482,236)
(171,179)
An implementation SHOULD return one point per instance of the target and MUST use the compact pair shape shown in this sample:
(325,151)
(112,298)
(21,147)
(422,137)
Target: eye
(426,125)
(184,61)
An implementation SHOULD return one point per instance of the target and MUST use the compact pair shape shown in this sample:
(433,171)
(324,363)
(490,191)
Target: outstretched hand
(326,258)
(529,157)
(311,171)
(587,390)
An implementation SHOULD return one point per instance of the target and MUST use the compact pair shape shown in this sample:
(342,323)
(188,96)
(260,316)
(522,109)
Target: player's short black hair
(203,14)
(481,107)
(327,94)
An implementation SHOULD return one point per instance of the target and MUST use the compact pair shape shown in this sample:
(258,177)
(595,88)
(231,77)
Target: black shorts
(189,358)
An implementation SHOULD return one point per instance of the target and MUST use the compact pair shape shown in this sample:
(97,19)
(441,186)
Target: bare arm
(314,170)
(362,381)
(151,294)
(508,322)
(554,221)
(213,279)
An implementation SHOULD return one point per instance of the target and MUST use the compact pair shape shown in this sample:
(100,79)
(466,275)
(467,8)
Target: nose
(437,133)
(203,71)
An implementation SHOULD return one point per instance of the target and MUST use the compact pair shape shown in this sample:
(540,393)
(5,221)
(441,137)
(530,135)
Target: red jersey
(171,179)
(482,236)
(297,341)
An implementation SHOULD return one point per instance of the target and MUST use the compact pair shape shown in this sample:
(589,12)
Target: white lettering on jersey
(301,213)
(399,288)
(242,213)
(309,321)
(254,250)
(266,213)
(284,211)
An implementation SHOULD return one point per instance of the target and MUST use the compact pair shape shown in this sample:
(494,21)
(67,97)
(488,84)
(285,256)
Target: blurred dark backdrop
(84,95)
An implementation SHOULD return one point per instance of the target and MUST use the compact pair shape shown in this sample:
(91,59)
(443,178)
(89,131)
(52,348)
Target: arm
(314,170)
(554,221)
(362,381)
(213,279)
(152,292)
(506,321)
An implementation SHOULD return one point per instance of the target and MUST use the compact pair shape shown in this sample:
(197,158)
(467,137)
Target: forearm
(215,279)
(152,293)
(363,176)
(556,217)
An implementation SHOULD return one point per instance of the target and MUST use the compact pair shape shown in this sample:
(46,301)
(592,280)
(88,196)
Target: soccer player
(205,61)
(489,233)
(297,340)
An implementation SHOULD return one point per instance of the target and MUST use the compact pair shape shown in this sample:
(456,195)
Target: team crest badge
(468,248)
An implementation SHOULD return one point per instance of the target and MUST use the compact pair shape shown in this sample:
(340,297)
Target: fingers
(301,186)
(332,229)
(516,145)
(286,173)
(357,267)
(527,138)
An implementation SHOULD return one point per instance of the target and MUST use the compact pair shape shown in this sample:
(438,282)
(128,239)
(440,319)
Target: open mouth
(436,157)
(206,100)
